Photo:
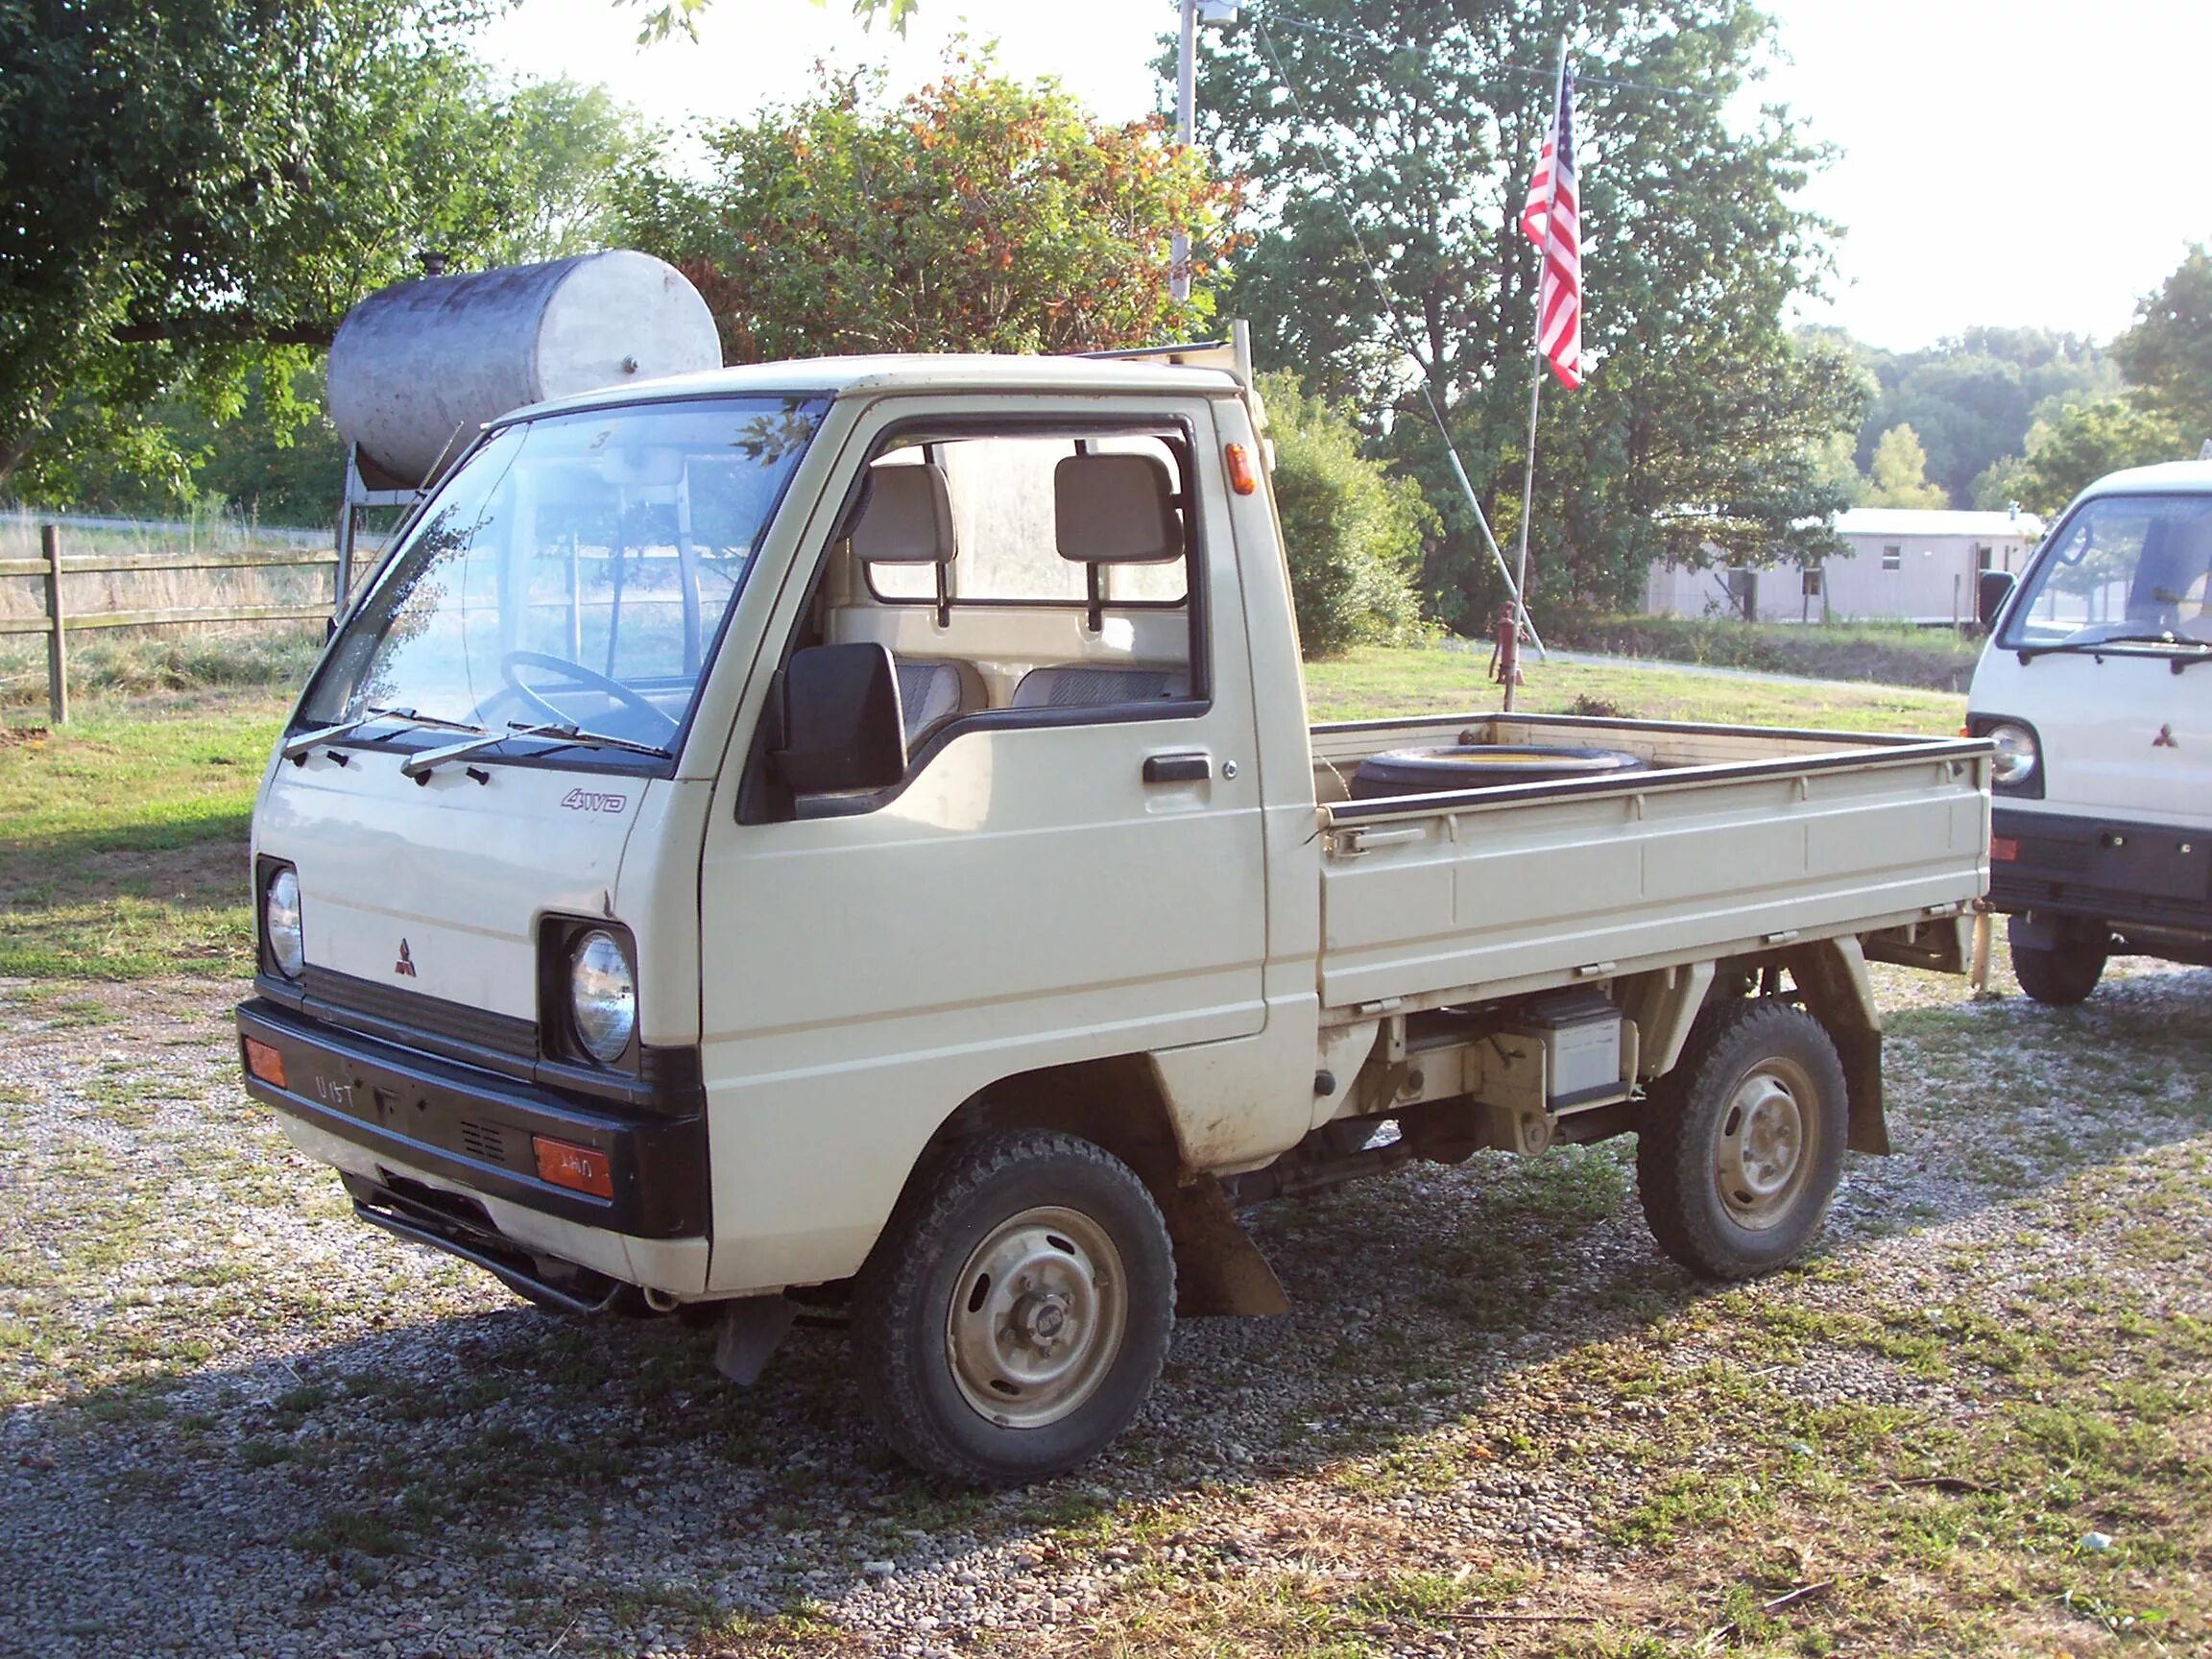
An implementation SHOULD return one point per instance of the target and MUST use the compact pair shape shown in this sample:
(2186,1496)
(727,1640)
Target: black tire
(2059,975)
(1741,1144)
(1010,1249)
(1482,766)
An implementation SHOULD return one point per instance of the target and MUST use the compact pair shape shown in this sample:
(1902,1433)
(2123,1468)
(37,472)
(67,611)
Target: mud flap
(1217,1267)
(752,1328)
(1832,974)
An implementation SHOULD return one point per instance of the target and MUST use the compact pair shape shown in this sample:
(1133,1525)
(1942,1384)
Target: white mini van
(2101,831)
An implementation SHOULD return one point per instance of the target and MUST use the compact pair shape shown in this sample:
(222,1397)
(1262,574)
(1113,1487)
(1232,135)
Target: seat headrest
(906,517)
(1115,510)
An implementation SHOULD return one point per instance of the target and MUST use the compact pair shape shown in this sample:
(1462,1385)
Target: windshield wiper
(419,766)
(2198,649)
(568,733)
(297,748)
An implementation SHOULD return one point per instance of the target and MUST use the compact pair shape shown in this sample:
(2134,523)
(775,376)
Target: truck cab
(2095,690)
(847,833)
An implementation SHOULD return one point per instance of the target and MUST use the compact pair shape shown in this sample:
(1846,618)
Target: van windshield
(574,572)
(2134,569)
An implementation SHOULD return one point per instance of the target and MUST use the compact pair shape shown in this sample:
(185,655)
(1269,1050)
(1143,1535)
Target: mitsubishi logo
(406,963)
(2165,739)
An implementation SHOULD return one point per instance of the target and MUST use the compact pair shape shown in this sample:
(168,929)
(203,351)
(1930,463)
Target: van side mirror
(1994,588)
(842,726)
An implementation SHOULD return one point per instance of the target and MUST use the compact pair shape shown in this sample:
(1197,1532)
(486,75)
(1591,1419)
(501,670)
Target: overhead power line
(1263,15)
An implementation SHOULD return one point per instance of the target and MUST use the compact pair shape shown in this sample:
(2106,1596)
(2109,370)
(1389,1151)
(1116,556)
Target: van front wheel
(2060,975)
(1015,1314)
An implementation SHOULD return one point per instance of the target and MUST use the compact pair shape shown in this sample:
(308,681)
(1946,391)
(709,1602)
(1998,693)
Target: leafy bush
(1353,533)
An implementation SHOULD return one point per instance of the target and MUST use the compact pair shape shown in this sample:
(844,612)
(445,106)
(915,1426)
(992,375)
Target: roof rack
(1233,356)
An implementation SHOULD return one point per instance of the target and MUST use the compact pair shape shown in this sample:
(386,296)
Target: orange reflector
(1241,478)
(264,1063)
(2003,848)
(579,1169)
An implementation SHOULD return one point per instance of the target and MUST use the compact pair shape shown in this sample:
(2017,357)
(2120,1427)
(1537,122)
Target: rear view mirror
(842,726)
(1990,594)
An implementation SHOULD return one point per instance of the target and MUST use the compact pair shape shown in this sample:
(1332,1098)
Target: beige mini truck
(847,834)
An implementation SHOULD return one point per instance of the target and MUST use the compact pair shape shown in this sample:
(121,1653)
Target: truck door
(1071,867)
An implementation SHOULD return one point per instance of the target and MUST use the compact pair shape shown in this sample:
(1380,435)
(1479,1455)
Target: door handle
(1185,768)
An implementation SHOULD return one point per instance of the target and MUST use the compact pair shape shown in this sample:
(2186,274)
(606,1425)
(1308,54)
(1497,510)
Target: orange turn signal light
(1239,460)
(2003,848)
(579,1168)
(263,1062)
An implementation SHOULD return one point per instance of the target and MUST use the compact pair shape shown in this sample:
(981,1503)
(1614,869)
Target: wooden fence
(58,624)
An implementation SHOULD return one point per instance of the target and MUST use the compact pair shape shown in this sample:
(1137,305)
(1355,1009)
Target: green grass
(1374,684)
(1933,659)
(124,854)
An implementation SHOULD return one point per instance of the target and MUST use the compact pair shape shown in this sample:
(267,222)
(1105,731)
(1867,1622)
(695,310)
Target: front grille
(483,1141)
(365,1005)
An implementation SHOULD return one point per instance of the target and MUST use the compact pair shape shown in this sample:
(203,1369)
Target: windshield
(2137,567)
(574,572)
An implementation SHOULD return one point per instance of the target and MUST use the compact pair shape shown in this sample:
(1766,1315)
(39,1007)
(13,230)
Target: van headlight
(280,923)
(2016,755)
(602,995)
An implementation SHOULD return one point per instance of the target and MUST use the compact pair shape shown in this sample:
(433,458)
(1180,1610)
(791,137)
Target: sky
(2015,163)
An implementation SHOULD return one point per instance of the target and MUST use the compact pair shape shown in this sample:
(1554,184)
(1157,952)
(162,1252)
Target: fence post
(56,647)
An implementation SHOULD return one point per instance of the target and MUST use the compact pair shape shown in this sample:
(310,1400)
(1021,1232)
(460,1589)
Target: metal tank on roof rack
(417,368)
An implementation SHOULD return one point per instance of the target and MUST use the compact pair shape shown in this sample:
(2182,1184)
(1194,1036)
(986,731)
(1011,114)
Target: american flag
(1549,220)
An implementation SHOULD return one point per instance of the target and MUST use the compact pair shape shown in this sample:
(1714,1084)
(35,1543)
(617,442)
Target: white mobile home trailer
(1907,564)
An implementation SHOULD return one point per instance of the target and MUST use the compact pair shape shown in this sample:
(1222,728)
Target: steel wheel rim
(1762,1156)
(1036,1317)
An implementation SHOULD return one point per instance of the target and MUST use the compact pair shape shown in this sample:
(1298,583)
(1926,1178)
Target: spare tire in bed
(1482,766)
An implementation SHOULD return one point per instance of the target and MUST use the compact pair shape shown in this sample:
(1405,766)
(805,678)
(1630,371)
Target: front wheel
(2060,975)
(1742,1144)
(1015,1314)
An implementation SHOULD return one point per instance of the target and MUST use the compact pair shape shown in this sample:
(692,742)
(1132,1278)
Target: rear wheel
(2060,975)
(1743,1143)
(1015,1313)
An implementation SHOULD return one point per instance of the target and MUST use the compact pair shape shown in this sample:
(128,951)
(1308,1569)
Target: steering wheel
(576,674)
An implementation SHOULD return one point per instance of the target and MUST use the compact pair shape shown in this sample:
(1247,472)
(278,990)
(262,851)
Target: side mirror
(1994,588)
(843,729)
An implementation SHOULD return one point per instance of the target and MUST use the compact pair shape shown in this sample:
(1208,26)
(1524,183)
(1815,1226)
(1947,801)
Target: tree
(2167,352)
(204,186)
(1970,401)
(976,214)
(1351,532)
(2085,441)
(1411,140)
(200,188)
(1900,473)
(683,16)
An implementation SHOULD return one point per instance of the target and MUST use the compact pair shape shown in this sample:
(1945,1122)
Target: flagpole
(1512,662)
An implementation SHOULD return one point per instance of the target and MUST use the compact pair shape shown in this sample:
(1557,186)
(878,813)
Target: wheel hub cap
(1037,1317)
(1759,1160)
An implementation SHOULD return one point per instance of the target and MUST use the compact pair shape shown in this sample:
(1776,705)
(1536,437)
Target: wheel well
(1118,1104)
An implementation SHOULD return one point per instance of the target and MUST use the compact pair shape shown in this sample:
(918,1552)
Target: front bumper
(416,1115)
(2148,879)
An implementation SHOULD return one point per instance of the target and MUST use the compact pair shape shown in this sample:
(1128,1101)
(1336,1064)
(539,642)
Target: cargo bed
(1738,839)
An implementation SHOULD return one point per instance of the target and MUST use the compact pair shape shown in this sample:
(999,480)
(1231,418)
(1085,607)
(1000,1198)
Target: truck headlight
(602,995)
(2016,754)
(280,924)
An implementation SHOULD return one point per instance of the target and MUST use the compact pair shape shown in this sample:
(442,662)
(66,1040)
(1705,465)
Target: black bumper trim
(474,1127)
(665,1080)
(2115,871)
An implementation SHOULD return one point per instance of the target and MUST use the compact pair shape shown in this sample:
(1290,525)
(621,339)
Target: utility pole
(1195,12)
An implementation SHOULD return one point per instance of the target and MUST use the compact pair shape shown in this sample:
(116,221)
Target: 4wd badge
(590,801)
(406,963)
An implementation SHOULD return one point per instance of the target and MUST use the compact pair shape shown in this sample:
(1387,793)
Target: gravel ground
(237,1421)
